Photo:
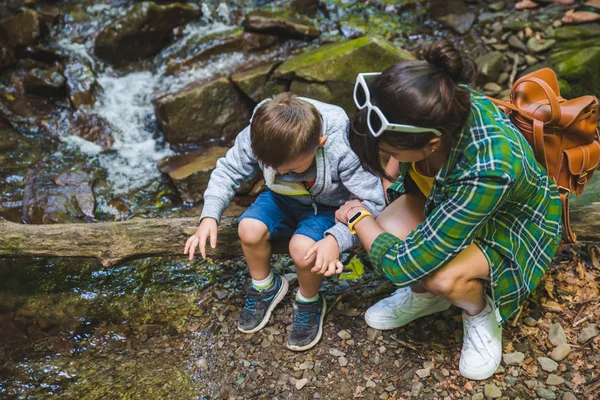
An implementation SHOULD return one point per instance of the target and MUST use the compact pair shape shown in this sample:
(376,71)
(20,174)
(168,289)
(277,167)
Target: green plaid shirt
(492,192)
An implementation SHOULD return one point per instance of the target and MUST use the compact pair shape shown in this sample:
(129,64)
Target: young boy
(301,146)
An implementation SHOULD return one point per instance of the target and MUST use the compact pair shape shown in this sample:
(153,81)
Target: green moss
(578,66)
(570,32)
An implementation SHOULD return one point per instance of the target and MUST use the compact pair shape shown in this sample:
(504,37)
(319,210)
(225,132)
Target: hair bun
(445,56)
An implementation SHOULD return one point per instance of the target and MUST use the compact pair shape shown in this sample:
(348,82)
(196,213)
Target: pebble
(530,60)
(569,396)
(382,349)
(301,383)
(437,375)
(560,352)
(532,384)
(416,389)
(588,333)
(201,363)
(336,353)
(343,361)
(445,372)
(554,380)
(497,6)
(344,334)
(556,335)
(511,379)
(307,365)
(538,46)
(371,384)
(547,364)
(530,321)
(492,391)
(423,373)
(516,43)
(478,396)
(492,88)
(373,334)
(546,394)
(515,358)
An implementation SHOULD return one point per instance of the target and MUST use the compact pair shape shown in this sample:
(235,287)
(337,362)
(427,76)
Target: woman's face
(403,155)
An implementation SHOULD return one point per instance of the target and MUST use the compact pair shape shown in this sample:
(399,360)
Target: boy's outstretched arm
(206,230)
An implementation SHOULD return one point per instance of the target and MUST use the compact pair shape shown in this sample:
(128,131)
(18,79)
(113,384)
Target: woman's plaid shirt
(491,191)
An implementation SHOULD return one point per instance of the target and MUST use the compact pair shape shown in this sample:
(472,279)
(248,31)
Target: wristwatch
(357,216)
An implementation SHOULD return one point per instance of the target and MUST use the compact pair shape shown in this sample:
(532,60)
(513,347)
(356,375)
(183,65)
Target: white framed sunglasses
(376,121)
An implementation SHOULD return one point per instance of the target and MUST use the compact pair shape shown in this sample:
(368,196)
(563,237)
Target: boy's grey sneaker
(260,305)
(307,326)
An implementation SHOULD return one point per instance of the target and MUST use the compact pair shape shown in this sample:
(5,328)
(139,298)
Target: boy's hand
(345,212)
(207,229)
(327,261)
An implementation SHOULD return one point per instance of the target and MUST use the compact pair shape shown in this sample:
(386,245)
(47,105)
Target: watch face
(354,217)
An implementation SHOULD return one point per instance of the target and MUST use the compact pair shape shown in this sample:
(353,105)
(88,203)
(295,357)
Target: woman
(470,206)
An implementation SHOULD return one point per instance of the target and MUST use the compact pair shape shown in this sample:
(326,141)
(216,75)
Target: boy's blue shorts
(285,216)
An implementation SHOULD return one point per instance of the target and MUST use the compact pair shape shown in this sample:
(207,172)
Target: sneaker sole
(319,333)
(385,325)
(480,376)
(278,297)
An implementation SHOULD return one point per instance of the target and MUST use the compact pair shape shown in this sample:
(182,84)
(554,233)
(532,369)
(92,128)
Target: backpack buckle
(564,190)
(582,179)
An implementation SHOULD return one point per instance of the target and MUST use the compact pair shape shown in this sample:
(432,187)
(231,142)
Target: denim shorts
(286,216)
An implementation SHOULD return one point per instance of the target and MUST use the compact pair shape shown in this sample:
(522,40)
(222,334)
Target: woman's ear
(435,143)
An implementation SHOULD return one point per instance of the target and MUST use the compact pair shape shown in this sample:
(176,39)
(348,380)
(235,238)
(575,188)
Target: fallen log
(113,242)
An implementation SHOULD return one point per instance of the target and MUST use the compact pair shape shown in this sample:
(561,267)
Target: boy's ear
(322,140)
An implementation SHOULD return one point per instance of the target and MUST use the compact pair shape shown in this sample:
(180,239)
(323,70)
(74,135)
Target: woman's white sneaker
(482,344)
(402,307)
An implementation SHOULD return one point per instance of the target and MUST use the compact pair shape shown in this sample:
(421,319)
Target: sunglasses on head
(376,121)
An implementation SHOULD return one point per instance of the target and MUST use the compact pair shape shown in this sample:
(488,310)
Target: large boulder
(17,30)
(92,128)
(81,82)
(45,82)
(255,83)
(143,31)
(328,73)
(281,23)
(216,109)
(52,198)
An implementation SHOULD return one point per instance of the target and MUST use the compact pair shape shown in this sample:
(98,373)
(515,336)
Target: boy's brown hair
(284,128)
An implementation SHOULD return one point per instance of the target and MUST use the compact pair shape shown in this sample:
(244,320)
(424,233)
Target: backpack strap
(568,236)
(538,143)
(552,98)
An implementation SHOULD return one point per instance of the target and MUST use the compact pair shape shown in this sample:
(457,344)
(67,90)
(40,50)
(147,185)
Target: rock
(343,361)
(301,383)
(576,63)
(57,198)
(373,334)
(17,30)
(539,45)
(256,84)
(416,389)
(47,82)
(489,66)
(217,106)
(502,79)
(423,373)
(491,391)
(336,353)
(569,396)
(546,394)
(529,321)
(143,31)
(92,128)
(81,82)
(561,352)
(461,23)
(554,380)
(441,325)
(281,23)
(556,335)
(201,363)
(328,73)
(532,384)
(547,364)
(344,334)
(530,60)
(492,88)
(190,172)
(517,44)
(513,358)
(497,6)
(584,31)
(478,396)
(587,333)
(306,7)
(515,26)
(437,375)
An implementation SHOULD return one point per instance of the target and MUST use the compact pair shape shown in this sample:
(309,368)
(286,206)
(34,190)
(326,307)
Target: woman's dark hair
(421,93)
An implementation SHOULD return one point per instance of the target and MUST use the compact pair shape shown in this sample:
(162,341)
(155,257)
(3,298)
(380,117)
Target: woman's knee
(445,284)
(252,232)
(299,245)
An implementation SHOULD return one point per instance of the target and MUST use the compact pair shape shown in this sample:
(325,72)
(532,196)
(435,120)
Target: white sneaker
(482,344)
(402,307)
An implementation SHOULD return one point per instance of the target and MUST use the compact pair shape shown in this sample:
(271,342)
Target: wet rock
(461,23)
(81,82)
(57,198)
(587,333)
(547,364)
(556,335)
(517,44)
(584,31)
(539,45)
(306,7)
(489,66)
(546,394)
(281,23)
(530,60)
(190,172)
(554,380)
(217,107)
(513,358)
(329,72)
(255,83)
(492,391)
(143,31)
(576,63)
(47,82)
(17,30)
(560,352)
(92,128)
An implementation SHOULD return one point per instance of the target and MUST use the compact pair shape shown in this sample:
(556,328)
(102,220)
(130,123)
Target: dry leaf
(549,286)
(580,271)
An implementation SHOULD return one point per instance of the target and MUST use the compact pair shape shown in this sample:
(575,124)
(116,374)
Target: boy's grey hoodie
(340,177)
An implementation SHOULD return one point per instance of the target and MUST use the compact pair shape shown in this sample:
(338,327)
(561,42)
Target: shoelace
(301,319)
(477,325)
(250,303)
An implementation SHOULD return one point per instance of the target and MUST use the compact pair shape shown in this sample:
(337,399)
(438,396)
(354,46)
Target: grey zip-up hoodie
(340,177)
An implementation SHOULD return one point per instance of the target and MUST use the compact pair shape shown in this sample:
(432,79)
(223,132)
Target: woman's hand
(344,213)
(327,261)
(207,229)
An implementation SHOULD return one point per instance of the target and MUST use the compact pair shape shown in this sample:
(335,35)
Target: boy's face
(299,164)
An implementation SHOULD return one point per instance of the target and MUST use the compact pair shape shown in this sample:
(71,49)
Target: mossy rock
(576,62)
(285,23)
(569,32)
(255,82)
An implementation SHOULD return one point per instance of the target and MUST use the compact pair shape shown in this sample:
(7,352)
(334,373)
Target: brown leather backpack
(561,132)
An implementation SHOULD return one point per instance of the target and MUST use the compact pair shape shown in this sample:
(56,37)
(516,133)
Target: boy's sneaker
(402,307)
(307,326)
(260,305)
(482,344)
